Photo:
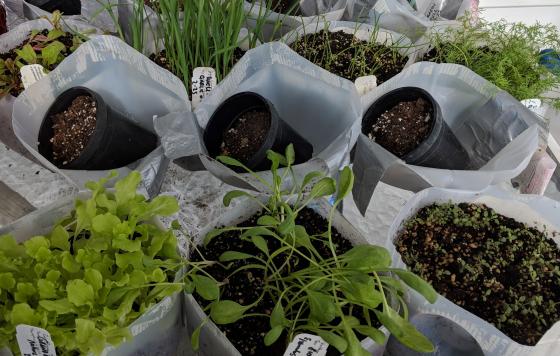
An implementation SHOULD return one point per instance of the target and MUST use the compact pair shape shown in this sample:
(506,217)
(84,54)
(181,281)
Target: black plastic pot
(67,7)
(116,141)
(279,135)
(440,149)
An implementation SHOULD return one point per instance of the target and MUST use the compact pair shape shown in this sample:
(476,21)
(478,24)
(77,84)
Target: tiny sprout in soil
(495,267)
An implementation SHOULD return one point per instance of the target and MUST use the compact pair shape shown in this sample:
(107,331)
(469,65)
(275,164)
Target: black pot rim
(97,135)
(271,134)
(421,93)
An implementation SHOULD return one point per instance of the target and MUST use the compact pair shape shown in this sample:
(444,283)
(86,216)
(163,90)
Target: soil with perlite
(245,287)
(403,127)
(243,139)
(72,129)
(345,55)
(501,270)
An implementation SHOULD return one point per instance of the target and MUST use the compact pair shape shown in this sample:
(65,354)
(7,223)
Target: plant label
(307,345)
(365,84)
(535,178)
(203,81)
(31,73)
(33,341)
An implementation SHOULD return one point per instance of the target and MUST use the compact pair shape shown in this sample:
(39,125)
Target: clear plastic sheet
(102,64)
(533,210)
(497,131)
(319,105)
(160,331)
(399,16)
(94,12)
(14,13)
(151,27)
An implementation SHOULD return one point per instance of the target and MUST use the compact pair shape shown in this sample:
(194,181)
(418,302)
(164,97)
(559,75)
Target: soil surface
(72,129)
(161,60)
(495,267)
(246,135)
(402,128)
(3,22)
(288,7)
(346,56)
(247,334)
(66,40)
(237,54)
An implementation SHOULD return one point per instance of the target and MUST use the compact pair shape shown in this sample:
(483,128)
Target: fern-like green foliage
(506,54)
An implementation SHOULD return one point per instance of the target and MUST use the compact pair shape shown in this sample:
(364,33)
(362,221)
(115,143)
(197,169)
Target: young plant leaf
(206,287)
(27,54)
(272,335)
(227,311)
(418,284)
(267,220)
(233,195)
(260,243)
(234,256)
(375,334)
(195,337)
(290,155)
(211,234)
(278,316)
(321,306)
(309,177)
(257,231)
(404,331)
(366,258)
(50,53)
(324,187)
(334,340)
(362,293)
(231,162)
(54,34)
(345,183)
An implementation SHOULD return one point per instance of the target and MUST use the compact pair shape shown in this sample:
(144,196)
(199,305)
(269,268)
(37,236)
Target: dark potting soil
(237,54)
(495,267)
(161,60)
(3,20)
(287,7)
(72,129)
(246,135)
(402,128)
(245,287)
(346,56)
(66,40)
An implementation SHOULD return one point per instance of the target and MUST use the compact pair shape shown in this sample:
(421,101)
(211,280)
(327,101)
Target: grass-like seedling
(506,54)
(304,279)
(349,57)
(204,34)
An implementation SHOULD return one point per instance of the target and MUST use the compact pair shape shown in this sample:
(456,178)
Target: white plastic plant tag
(365,84)
(307,345)
(203,81)
(31,73)
(34,341)
(535,178)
